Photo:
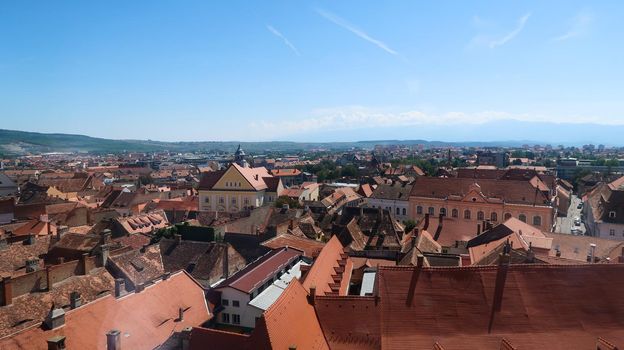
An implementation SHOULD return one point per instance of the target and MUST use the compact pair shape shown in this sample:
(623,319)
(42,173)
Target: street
(566,224)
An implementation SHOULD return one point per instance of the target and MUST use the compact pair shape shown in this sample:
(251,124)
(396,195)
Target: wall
(254,199)
(247,313)
(391,205)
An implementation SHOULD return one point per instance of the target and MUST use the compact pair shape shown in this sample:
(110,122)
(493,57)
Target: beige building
(237,188)
(473,201)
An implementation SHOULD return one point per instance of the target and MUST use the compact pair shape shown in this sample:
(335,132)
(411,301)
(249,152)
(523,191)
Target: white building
(393,198)
(250,291)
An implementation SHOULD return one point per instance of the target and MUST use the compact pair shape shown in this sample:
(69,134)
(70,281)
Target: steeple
(239,157)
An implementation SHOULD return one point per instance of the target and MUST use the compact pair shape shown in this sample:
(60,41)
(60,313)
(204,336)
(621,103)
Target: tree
(292,203)
(409,225)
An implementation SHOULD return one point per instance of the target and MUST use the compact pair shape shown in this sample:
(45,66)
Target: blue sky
(290,70)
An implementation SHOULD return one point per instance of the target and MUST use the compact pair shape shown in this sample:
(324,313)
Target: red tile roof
(331,271)
(309,247)
(145,320)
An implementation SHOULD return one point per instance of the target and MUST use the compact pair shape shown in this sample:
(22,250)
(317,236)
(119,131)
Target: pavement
(566,224)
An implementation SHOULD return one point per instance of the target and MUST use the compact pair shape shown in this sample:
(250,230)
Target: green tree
(292,203)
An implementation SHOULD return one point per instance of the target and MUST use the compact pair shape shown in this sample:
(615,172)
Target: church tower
(239,157)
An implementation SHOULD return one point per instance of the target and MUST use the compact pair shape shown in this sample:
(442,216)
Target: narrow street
(566,224)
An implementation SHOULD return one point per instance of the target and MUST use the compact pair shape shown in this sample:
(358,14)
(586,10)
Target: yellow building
(237,188)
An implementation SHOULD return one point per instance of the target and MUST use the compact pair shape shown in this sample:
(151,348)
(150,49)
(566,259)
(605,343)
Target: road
(566,224)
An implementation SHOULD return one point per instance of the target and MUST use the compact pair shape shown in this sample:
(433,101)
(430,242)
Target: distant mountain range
(21,142)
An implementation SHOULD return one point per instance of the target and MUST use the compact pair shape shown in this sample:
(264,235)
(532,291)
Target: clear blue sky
(290,70)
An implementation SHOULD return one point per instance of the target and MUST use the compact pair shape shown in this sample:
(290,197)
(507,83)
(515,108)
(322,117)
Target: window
(246,201)
(419,210)
(522,217)
(611,232)
(235,319)
(611,215)
(507,216)
(454,213)
(494,217)
(235,303)
(206,199)
(221,200)
(404,211)
(398,211)
(537,220)
(443,211)
(480,215)
(225,302)
(233,200)
(225,318)
(431,211)
(467,214)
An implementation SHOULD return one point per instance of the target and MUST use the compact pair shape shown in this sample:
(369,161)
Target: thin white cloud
(359,117)
(360,33)
(278,34)
(519,27)
(579,27)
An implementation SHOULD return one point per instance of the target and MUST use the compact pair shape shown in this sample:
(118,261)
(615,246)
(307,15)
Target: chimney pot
(55,318)
(312,294)
(180,314)
(113,340)
(75,300)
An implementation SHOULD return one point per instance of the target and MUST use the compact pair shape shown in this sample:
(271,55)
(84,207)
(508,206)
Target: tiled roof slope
(145,319)
(309,247)
(541,307)
(290,322)
(331,271)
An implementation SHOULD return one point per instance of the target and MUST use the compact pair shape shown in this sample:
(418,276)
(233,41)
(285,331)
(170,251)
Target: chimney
(55,318)
(31,239)
(56,343)
(105,236)
(180,314)
(74,300)
(113,340)
(166,276)
(478,229)
(426,226)
(4,244)
(61,231)
(420,260)
(226,262)
(414,237)
(530,254)
(439,229)
(185,338)
(558,253)
(178,238)
(592,252)
(104,254)
(312,295)
(32,265)
(7,286)
(120,287)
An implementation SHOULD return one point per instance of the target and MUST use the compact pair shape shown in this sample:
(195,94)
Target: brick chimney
(180,314)
(439,229)
(56,343)
(7,287)
(426,225)
(113,340)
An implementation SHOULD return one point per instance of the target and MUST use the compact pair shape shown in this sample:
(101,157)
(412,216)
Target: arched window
(537,220)
(467,214)
(480,215)
(454,213)
(443,211)
(419,210)
(431,211)
(398,211)
(404,211)
(522,217)
(507,216)
(494,217)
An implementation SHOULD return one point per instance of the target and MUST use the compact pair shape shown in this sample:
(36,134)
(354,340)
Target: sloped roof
(145,320)
(309,247)
(140,266)
(331,262)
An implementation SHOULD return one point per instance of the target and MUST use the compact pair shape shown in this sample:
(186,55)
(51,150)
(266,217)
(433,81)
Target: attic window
(474,199)
(612,214)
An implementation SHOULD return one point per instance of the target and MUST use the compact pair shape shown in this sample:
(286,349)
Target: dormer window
(612,214)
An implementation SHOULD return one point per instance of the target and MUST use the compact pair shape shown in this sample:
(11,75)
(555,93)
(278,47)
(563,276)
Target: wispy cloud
(278,34)
(359,117)
(353,29)
(519,27)
(579,27)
